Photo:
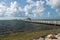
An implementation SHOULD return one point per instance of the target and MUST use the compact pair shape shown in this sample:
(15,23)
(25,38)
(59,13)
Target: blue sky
(35,9)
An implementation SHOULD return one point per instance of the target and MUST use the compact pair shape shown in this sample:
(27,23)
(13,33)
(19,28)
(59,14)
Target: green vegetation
(27,35)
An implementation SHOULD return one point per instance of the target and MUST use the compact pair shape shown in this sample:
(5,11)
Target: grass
(27,35)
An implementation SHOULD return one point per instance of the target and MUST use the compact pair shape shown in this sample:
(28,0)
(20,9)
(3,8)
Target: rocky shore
(49,37)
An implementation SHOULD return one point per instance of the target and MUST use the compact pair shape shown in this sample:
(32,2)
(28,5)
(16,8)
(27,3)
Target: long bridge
(44,22)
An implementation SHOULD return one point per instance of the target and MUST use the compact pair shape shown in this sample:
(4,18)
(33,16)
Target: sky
(35,9)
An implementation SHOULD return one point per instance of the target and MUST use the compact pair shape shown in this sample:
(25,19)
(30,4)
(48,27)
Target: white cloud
(39,8)
(34,11)
(27,8)
(34,15)
(12,9)
(54,4)
(49,14)
(1,14)
(13,4)
(21,9)
(38,3)
(2,9)
(30,1)
(57,10)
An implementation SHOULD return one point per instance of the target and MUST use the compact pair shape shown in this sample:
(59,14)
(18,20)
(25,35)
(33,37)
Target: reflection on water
(8,26)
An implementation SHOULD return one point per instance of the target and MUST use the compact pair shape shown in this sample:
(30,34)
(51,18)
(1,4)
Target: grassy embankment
(27,35)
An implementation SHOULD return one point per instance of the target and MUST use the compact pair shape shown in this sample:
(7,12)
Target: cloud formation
(54,4)
(2,9)
(49,14)
(12,9)
(39,7)
(26,9)
(31,8)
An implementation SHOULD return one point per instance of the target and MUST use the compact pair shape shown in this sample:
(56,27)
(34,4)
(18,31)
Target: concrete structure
(49,22)
(46,22)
